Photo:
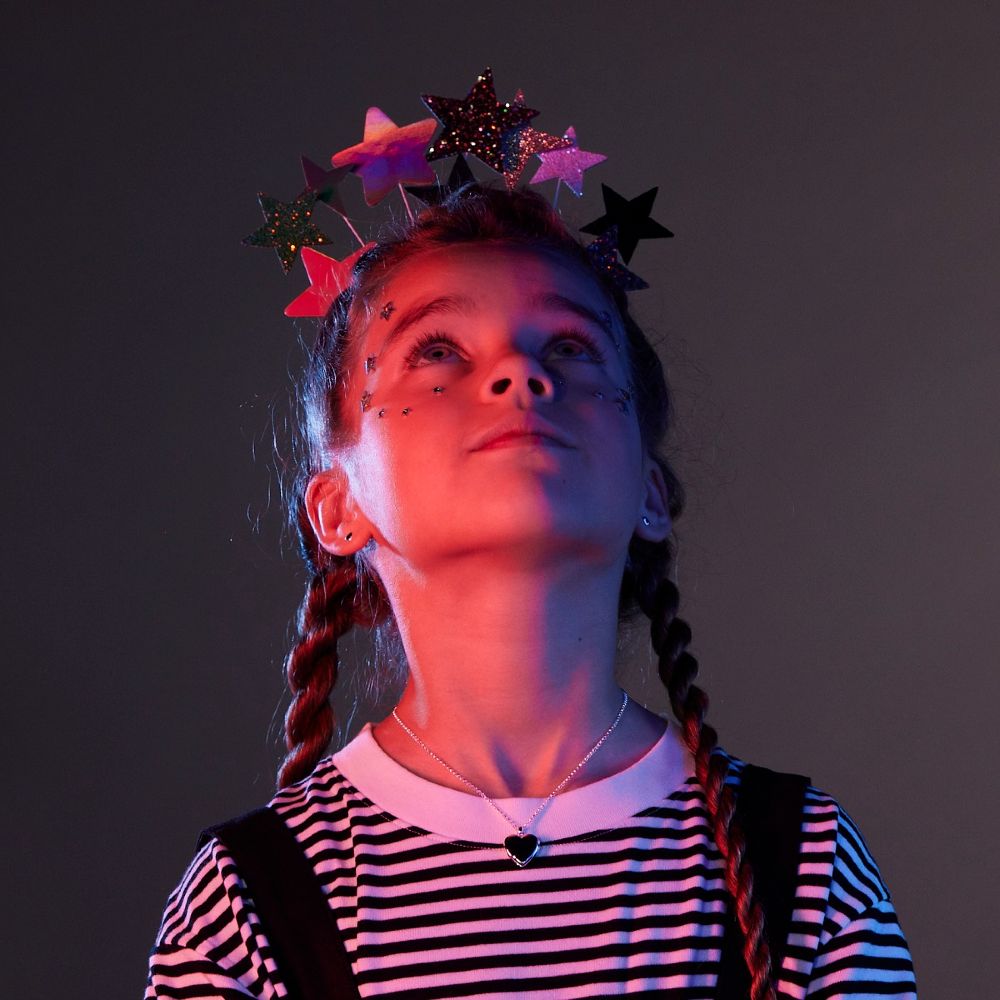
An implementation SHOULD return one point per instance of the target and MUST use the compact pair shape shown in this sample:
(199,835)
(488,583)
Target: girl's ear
(340,527)
(654,523)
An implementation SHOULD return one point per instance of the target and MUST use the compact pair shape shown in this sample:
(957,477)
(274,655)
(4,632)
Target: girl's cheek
(400,403)
(440,383)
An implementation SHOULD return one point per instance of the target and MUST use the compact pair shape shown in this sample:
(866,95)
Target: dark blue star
(434,194)
(604,253)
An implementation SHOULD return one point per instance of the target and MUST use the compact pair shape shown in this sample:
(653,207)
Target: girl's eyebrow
(421,310)
(553,300)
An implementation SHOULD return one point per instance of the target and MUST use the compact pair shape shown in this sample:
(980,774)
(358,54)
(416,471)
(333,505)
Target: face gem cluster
(622,399)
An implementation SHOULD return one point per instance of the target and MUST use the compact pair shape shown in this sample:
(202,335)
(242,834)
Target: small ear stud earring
(646,521)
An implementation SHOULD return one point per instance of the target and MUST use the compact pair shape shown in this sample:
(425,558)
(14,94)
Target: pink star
(567,165)
(389,155)
(327,279)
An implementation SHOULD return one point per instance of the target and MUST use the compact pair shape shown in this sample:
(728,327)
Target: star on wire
(476,124)
(604,253)
(567,165)
(390,155)
(520,144)
(289,227)
(434,194)
(631,218)
(326,183)
(327,279)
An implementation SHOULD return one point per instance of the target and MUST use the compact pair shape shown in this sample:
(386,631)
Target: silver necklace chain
(555,791)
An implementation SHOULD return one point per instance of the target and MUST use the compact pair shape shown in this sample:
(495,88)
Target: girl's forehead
(482,265)
(485,276)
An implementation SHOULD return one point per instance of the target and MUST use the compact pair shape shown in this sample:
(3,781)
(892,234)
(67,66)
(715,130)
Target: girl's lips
(522,439)
(523,430)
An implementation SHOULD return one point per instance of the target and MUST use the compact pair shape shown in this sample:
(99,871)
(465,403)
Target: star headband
(393,157)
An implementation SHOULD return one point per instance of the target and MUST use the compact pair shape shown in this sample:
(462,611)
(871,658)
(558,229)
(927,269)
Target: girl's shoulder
(210,934)
(834,856)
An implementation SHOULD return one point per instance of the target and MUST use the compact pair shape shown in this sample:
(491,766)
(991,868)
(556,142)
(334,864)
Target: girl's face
(489,409)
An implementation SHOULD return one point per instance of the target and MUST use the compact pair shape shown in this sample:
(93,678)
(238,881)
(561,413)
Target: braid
(326,613)
(341,593)
(678,669)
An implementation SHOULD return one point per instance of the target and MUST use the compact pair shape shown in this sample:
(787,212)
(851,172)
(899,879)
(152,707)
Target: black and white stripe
(637,909)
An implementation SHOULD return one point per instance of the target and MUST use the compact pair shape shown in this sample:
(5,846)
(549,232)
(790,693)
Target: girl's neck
(512,679)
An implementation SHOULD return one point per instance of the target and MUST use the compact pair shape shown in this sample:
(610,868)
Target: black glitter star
(434,194)
(604,253)
(326,183)
(631,218)
(476,124)
(289,227)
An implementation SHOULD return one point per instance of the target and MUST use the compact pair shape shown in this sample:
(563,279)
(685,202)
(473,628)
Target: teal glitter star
(289,227)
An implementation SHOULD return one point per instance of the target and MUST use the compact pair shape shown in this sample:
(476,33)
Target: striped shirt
(627,894)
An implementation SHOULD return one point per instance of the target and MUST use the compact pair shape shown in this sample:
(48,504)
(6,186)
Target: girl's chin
(532,537)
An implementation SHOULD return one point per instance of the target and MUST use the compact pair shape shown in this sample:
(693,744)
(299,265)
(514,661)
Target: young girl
(484,484)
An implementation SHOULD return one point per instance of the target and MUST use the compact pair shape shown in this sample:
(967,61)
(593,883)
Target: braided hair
(344,591)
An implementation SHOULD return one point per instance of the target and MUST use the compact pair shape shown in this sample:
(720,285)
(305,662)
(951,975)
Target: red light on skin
(522,440)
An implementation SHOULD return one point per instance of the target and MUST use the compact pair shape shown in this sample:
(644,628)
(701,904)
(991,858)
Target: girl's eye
(574,344)
(430,349)
(567,345)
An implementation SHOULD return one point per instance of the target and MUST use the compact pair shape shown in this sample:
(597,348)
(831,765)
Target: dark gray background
(829,309)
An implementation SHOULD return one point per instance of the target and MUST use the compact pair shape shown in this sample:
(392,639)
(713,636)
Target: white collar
(603,804)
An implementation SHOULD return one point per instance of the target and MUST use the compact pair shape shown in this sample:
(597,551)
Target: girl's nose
(535,386)
(519,376)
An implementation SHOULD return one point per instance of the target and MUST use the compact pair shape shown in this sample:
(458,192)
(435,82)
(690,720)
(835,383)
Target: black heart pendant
(521,849)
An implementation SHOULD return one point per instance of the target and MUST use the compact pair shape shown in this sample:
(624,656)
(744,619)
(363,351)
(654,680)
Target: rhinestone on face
(381,412)
(370,363)
(623,398)
(387,310)
(366,400)
(406,411)
(438,389)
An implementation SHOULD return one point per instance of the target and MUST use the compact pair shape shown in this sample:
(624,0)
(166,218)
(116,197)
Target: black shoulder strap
(770,805)
(295,916)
